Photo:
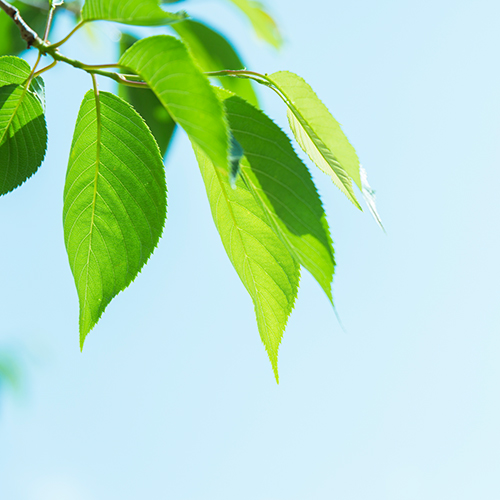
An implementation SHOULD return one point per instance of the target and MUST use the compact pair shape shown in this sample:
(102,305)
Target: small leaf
(318,133)
(263,24)
(135,12)
(165,64)
(146,103)
(114,202)
(213,52)
(283,187)
(23,131)
(263,263)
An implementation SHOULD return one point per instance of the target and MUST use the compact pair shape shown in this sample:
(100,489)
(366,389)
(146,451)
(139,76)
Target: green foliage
(135,12)
(114,202)
(214,52)
(260,258)
(263,24)
(318,133)
(166,66)
(145,102)
(282,186)
(263,199)
(23,132)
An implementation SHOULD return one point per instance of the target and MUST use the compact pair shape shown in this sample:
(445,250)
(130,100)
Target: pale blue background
(173,396)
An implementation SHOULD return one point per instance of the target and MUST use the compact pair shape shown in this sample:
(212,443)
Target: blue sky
(173,396)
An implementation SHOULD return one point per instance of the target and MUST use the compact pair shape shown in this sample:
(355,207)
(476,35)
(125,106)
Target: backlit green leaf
(114,202)
(214,52)
(283,187)
(23,131)
(318,133)
(135,12)
(165,64)
(260,258)
(146,103)
(263,24)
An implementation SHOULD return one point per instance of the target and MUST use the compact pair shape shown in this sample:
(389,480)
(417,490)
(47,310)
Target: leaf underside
(282,186)
(262,261)
(134,12)
(165,64)
(23,131)
(318,133)
(114,202)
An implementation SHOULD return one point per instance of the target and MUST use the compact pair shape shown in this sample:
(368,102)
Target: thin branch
(43,70)
(67,37)
(28,35)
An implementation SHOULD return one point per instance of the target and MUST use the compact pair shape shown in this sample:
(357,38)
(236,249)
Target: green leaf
(135,12)
(214,52)
(165,64)
(318,133)
(263,24)
(260,258)
(23,131)
(148,106)
(114,202)
(283,187)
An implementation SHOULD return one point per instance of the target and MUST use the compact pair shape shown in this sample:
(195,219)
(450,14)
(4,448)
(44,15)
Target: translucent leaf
(165,64)
(369,196)
(23,131)
(263,24)
(146,103)
(114,202)
(260,258)
(318,133)
(214,52)
(283,187)
(235,155)
(135,12)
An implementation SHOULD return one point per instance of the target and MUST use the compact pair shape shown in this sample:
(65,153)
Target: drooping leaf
(318,133)
(147,105)
(23,131)
(283,187)
(214,52)
(260,258)
(263,24)
(165,64)
(114,202)
(135,12)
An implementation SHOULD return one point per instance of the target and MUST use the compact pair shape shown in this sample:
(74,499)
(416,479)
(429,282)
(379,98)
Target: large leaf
(263,24)
(214,52)
(148,106)
(135,12)
(114,202)
(23,131)
(165,64)
(260,258)
(283,187)
(318,133)
(16,70)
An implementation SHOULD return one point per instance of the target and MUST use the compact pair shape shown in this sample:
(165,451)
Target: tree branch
(28,35)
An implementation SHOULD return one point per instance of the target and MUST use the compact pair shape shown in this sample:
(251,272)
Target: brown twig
(27,34)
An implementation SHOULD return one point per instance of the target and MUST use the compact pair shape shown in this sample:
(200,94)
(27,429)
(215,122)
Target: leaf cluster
(263,199)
